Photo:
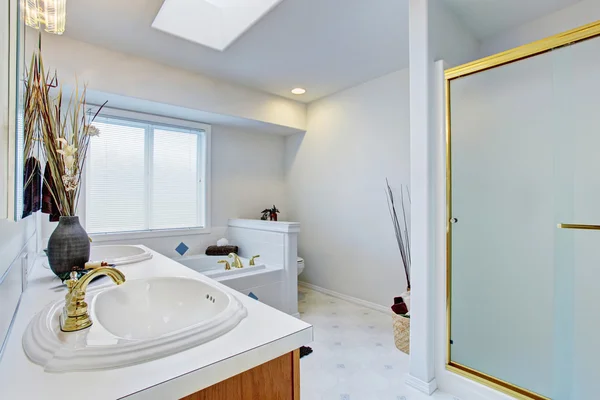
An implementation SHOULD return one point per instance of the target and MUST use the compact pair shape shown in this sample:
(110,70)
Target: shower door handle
(580,226)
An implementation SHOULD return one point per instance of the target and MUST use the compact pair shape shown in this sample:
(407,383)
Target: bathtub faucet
(237,263)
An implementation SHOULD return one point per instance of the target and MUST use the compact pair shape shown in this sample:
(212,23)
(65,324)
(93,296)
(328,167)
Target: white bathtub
(209,266)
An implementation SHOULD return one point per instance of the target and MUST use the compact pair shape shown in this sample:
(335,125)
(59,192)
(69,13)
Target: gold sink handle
(252,259)
(227,265)
(75,315)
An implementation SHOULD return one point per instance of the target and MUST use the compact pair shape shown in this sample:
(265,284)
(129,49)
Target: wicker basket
(402,333)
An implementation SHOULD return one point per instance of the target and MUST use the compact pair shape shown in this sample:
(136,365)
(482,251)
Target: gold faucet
(75,315)
(227,266)
(237,263)
(252,260)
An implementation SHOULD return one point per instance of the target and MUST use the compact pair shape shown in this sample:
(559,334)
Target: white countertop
(263,335)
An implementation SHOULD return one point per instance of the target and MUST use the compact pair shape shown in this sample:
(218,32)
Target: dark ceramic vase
(68,247)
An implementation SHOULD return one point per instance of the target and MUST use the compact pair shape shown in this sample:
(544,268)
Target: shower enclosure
(524,218)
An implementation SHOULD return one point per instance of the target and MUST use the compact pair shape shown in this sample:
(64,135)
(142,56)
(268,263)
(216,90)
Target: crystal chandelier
(50,13)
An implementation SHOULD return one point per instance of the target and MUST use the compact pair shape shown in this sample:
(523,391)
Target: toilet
(300,265)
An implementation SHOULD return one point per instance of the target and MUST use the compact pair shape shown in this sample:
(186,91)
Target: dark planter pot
(68,247)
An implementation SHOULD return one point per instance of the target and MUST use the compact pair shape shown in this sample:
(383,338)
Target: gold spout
(237,263)
(252,260)
(227,266)
(75,315)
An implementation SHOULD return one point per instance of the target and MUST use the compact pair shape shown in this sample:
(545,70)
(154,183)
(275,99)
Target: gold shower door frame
(520,53)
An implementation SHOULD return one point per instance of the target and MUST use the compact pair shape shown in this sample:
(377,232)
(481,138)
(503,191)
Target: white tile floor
(354,355)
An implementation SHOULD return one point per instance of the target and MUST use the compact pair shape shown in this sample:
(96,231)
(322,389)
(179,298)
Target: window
(146,176)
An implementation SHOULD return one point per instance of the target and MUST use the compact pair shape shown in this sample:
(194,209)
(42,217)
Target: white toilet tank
(300,265)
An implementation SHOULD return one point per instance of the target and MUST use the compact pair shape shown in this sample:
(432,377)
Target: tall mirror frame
(12,36)
(520,53)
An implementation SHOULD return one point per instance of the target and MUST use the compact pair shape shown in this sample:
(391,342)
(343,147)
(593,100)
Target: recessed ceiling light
(298,90)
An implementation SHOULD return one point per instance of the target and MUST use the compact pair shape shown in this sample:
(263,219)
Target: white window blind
(145,176)
(175,196)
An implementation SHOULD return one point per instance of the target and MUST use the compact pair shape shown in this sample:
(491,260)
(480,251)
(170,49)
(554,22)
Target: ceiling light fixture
(298,91)
(51,13)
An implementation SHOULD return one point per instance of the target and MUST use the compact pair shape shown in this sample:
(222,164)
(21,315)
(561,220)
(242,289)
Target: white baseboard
(360,302)
(426,387)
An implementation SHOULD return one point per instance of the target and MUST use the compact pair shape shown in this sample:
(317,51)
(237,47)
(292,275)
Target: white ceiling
(485,18)
(321,45)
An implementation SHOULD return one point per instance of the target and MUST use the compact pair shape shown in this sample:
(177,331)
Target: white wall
(247,176)
(336,188)
(435,34)
(125,75)
(422,44)
(449,39)
(247,165)
(581,13)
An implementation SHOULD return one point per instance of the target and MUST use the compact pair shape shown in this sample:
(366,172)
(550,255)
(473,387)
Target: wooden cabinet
(278,379)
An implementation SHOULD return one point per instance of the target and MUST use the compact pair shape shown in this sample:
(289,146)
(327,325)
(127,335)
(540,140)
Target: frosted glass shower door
(502,250)
(577,82)
(525,158)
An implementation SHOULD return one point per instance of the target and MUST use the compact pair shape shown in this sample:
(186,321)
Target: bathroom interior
(245,186)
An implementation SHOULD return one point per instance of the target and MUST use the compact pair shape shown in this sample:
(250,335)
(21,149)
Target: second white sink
(119,254)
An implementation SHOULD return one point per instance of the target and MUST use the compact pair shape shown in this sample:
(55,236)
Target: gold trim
(579,226)
(498,384)
(529,50)
(448,217)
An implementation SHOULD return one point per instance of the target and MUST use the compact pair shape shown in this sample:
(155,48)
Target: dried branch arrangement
(62,131)
(400,228)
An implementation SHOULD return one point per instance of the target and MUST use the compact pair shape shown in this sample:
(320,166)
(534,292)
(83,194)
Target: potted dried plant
(270,214)
(63,132)
(401,306)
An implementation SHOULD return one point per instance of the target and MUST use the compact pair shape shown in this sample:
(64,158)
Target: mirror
(12,66)
(5,52)
(18,79)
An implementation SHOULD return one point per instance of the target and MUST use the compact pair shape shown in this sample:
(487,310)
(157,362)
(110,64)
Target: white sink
(155,307)
(119,254)
(138,321)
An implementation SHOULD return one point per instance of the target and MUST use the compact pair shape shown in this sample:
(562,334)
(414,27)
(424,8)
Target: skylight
(212,23)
